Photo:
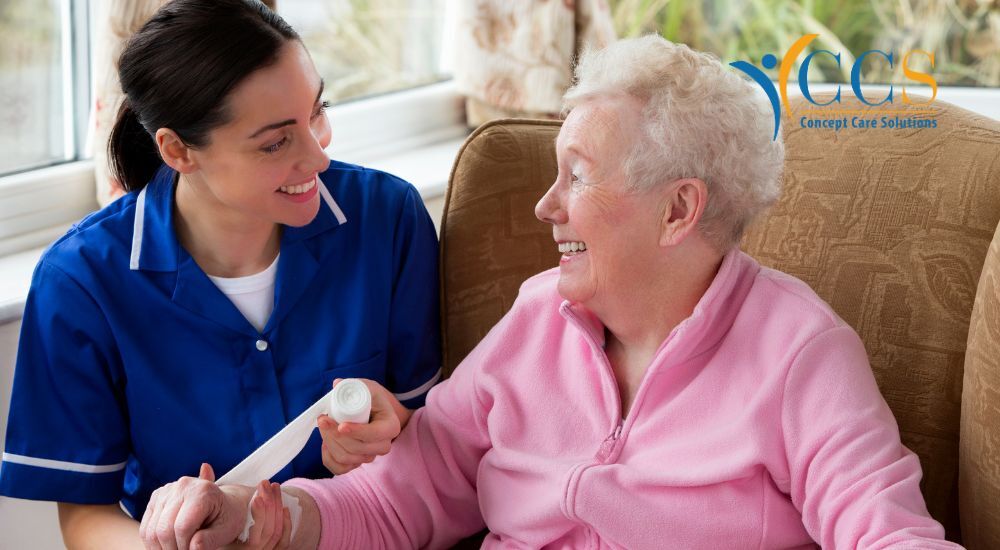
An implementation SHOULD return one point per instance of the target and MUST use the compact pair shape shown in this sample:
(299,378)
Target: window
(36,102)
(368,47)
(963,36)
(361,47)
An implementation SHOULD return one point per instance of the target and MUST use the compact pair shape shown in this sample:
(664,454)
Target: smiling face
(263,165)
(608,233)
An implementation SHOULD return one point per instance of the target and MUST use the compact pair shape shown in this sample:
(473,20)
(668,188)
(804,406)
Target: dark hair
(177,71)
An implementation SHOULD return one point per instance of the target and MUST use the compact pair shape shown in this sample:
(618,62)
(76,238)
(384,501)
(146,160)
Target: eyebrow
(288,122)
(575,149)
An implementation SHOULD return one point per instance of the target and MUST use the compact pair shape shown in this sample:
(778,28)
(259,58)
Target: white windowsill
(15,277)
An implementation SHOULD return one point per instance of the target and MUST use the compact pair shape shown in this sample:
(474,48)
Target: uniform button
(261,345)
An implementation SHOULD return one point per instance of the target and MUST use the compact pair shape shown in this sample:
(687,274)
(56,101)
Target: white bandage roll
(349,401)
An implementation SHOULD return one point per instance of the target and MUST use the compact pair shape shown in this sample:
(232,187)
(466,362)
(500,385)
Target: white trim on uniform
(421,390)
(328,198)
(62,465)
(140,216)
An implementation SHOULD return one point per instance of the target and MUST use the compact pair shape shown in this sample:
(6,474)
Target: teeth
(297,189)
(572,247)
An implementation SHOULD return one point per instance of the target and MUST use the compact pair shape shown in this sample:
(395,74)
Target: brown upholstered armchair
(891,227)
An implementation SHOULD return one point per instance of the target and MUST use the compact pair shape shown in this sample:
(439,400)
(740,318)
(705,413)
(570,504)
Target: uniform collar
(154,242)
(709,322)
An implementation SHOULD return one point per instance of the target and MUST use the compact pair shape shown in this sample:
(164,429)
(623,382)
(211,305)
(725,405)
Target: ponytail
(132,153)
(177,71)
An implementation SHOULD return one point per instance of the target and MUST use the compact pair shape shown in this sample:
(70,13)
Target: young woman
(244,272)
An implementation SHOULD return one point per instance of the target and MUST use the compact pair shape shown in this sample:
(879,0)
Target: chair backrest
(979,447)
(889,226)
(490,239)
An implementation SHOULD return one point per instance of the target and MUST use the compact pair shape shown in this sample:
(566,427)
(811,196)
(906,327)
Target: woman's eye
(273,148)
(322,109)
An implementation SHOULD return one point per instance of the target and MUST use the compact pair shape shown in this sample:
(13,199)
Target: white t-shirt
(253,295)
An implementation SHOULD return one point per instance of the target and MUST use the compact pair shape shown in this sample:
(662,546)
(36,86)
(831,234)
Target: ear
(174,152)
(684,205)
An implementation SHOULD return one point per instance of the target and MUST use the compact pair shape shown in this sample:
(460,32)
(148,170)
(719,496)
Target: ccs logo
(769,62)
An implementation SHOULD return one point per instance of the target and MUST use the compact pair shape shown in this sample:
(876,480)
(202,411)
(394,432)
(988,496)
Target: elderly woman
(659,389)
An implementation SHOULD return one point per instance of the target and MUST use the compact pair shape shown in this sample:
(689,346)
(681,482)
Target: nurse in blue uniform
(243,273)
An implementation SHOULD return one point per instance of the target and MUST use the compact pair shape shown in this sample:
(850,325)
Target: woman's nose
(314,158)
(549,208)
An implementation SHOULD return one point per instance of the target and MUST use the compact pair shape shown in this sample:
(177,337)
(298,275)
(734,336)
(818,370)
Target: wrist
(237,496)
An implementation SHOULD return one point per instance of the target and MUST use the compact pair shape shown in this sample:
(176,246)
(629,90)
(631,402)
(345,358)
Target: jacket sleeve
(67,434)
(854,482)
(414,353)
(423,493)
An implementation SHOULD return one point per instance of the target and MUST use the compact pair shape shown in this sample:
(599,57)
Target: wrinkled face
(263,164)
(608,234)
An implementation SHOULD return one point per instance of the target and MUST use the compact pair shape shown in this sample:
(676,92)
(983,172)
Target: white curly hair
(700,120)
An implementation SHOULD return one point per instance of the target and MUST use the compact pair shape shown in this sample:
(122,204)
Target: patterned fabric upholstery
(490,239)
(979,457)
(889,226)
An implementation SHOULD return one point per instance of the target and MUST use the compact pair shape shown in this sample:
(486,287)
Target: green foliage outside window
(963,35)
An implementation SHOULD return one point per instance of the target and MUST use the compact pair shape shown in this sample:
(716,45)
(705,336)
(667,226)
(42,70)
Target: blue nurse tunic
(133,368)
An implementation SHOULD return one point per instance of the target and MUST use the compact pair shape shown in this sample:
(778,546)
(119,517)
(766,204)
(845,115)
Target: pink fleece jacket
(757,425)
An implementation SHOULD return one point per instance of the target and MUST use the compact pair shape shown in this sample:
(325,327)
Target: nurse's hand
(347,446)
(197,513)
(272,524)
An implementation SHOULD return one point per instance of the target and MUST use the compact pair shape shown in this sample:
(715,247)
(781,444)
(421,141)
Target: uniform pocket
(372,368)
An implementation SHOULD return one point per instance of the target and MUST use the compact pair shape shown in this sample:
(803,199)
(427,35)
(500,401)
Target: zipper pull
(609,443)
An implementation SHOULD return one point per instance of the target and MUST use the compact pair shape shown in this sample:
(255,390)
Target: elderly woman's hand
(198,514)
(272,523)
(347,446)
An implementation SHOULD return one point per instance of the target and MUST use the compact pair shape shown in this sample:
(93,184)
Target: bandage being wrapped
(348,401)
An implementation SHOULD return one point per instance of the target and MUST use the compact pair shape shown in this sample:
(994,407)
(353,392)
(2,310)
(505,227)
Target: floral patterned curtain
(514,58)
(116,21)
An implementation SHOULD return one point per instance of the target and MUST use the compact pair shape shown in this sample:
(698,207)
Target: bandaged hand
(196,513)
(348,445)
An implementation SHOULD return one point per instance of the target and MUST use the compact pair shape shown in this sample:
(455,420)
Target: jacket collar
(154,242)
(155,248)
(708,323)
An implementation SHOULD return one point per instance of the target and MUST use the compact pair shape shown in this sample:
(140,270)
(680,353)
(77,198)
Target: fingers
(385,405)
(279,513)
(343,456)
(337,458)
(267,512)
(333,465)
(149,518)
(273,516)
(206,472)
(258,511)
(348,445)
(163,527)
(369,438)
(177,510)
(194,511)
(359,439)
(285,541)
